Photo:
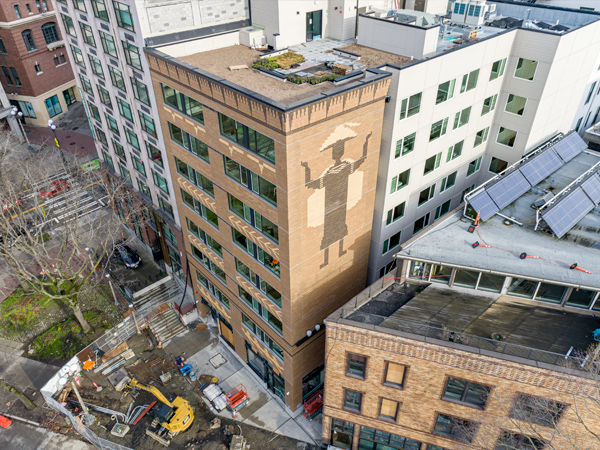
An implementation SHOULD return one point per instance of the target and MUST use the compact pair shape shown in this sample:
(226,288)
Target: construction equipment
(170,418)
(237,398)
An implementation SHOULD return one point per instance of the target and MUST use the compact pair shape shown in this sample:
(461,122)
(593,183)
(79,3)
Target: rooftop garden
(289,65)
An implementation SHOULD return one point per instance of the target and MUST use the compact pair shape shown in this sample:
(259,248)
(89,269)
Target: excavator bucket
(155,436)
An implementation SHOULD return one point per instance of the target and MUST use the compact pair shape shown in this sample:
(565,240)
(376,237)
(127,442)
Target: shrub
(265,63)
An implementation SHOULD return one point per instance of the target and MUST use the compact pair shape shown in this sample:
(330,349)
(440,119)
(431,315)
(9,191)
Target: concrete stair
(166,326)
(163,291)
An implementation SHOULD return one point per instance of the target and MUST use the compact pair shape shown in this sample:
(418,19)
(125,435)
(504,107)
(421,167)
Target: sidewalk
(78,144)
(264,410)
(21,436)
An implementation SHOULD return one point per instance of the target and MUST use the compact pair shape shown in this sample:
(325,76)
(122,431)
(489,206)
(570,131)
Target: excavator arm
(154,391)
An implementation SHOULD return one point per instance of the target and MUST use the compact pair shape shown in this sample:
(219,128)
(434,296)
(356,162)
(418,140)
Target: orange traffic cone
(234,413)
(159,344)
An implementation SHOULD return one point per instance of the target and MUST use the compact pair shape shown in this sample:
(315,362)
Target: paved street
(21,436)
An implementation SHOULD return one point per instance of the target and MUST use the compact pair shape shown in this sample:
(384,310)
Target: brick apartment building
(487,345)
(36,73)
(275,198)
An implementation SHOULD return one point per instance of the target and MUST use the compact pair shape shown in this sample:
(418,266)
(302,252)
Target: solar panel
(570,146)
(538,168)
(570,210)
(591,187)
(483,204)
(508,189)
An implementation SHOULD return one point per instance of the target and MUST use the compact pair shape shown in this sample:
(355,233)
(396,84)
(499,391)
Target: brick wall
(428,368)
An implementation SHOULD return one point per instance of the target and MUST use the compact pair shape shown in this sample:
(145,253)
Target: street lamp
(18,114)
(52,126)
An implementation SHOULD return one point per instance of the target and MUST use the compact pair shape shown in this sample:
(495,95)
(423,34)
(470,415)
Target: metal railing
(475,342)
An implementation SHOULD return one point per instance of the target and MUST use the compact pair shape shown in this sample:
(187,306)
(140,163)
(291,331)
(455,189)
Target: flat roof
(218,61)
(468,317)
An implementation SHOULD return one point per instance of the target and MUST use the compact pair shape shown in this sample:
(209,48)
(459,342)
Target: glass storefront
(581,298)
(551,293)
(313,381)
(466,278)
(342,433)
(371,439)
(490,282)
(440,274)
(521,287)
(275,383)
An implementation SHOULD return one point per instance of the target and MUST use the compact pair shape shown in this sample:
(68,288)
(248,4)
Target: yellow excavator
(170,418)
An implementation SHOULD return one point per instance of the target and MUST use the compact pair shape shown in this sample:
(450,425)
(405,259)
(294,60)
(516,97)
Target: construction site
(143,385)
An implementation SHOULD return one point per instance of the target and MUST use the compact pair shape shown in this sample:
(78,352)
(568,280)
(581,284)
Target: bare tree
(565,417)
(57,228)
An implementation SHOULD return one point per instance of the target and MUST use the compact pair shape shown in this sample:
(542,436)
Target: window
(506,137)
(442,210)
(108,160)
(465,392)
(578,124)
(119,151)
(153,153)
(474,166)
(189,142)
(453,427)
(53,106)
(397,212)
(371,439)
(448,182)
(342,433)
(124,17)
(182,103)
(481,136)
(255,251)
(140,91)
(160,182)
(432,163)
(400,181)
(426,194)
(78,56)
(445,91)
(147,124)
(17,11)
(125,109)
(15,76)
(538,410)
(515,104)
(405,145)
(168,209)
(497,165)
(2,47)
(498,69)
(80,5)
(394,375)
(410,106)
(258,332)
(101,136)
(264,287)
(204,237)
(112,124)
(469,81)
(489,104)
(263,312)
(29,42)
(352,400)
(99,7)
(388,409)
(462,118)
(200,209)
(69,27)
(116,77)
(210,265)
(50,33)
(254,218)
(247,137)
(96,66)
(391,243)
(195,177)
(438,129)
(455,151)
(513,441)
(95,113)
(357,366)
(526,69)
(144,189)
(104,96)
(88,34)
(421,223)
(7,75)
(252,181)
(108,43)
(132,55)
(60,59)
(589,96)
(86,85)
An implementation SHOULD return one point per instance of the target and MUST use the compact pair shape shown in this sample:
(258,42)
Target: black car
(128,257)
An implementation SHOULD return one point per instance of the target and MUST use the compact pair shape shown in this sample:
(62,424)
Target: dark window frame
(465,393)
(349,362)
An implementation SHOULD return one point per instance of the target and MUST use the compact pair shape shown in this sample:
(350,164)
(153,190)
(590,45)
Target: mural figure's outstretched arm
(311,184)
(361,160)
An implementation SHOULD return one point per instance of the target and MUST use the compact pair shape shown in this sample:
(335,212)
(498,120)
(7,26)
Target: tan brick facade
(428,367)
(325,172)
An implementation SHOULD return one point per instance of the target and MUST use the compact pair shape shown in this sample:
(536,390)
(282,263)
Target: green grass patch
(22,310)
(66,339)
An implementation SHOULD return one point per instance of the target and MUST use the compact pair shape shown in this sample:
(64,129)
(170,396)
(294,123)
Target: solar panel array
(591,187)
(570,210)
(509,188)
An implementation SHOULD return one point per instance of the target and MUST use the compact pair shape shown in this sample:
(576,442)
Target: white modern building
(476,100)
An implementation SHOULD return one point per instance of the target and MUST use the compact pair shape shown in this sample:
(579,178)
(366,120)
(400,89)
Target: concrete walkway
(264,410)
(20,436)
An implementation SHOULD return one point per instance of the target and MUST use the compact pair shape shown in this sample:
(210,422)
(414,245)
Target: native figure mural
(337,190)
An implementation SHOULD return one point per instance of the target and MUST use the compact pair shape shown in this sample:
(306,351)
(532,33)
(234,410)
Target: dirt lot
(372,57)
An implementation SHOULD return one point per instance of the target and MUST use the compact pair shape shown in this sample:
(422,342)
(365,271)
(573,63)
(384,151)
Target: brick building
(275,189)
(487,345)
(36,73)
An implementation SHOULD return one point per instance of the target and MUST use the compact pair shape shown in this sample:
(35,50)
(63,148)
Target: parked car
(127,256)
(7,207)
(56,187)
